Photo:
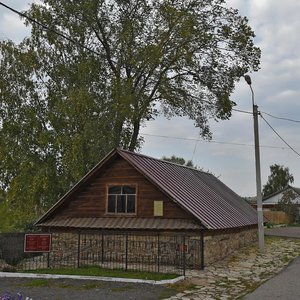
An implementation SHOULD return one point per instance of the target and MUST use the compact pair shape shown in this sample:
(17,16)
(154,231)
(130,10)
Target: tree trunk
(135,134)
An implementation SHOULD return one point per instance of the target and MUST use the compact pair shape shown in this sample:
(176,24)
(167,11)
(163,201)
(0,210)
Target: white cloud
(11,25)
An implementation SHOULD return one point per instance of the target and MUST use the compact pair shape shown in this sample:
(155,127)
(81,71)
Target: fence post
(48,257)
(102,248)
(158,253)
(78,250)
(126,252)
(202,249)
(184,258)
(48,260)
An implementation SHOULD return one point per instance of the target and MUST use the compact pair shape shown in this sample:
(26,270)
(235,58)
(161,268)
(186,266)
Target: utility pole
(260,217)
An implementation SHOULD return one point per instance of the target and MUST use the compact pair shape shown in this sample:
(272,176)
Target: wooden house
(133,193)
(270,206)
(272,200)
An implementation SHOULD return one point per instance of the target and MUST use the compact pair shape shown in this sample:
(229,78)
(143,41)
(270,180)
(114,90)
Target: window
(121,199)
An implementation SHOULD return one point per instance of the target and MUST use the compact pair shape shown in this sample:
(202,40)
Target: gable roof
(203,195)
(274,197)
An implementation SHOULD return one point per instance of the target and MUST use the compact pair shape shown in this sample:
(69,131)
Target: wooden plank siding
(91,200)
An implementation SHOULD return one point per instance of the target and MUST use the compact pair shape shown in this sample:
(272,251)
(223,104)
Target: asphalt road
(64,289)
(284,286)
(288,232)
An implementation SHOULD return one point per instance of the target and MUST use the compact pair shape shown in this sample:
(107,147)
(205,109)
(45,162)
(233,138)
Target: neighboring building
(276,216)
(272,200)
(133,193)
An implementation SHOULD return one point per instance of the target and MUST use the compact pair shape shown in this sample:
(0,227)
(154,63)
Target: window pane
(114,189)
(128,189)
(131,204)
(121,204)
(111,205)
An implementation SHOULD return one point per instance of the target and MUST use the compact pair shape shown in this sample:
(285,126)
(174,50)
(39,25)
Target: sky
(230,154)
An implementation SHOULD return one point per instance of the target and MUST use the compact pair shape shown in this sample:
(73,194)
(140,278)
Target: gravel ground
(64,289)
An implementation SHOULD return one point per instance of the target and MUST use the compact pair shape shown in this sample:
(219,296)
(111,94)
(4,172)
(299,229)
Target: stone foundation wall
(74,249)
(221,244)
(71,249)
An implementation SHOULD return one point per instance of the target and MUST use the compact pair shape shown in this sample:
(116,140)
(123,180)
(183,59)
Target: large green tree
(288,205)
(65,102)
(279,179)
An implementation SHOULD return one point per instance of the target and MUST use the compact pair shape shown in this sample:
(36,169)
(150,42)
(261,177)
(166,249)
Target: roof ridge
(162,160)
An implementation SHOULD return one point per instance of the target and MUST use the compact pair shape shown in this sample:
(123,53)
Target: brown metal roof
(203,195)
(200,193)
(123,223)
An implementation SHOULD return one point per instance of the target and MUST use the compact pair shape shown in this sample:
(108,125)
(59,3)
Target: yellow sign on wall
(158,208)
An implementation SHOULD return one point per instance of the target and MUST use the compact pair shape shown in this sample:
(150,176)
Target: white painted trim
(114,279)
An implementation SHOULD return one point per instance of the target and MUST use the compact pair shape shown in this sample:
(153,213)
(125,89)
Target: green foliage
(15,219)
(179,161)
(97,271)
(287,205)
(38,283)
(279,179)
(63,107)
(4,218)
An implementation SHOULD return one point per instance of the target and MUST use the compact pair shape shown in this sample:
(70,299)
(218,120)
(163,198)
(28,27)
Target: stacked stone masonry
(80,249)
(220,245)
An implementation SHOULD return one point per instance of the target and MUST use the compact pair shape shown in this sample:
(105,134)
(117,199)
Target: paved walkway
(283,286)
(243,272)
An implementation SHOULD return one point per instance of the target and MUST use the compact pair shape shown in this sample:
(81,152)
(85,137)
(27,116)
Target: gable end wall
(91,200)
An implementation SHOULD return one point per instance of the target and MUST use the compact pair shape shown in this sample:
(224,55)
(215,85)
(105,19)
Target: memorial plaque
(37,242)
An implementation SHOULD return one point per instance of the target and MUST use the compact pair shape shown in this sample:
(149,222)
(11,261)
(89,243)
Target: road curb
(114,279)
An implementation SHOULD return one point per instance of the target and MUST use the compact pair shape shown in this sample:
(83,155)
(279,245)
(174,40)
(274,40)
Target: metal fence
(162,253)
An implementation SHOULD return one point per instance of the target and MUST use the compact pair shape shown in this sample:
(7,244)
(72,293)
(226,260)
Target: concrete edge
(114,279)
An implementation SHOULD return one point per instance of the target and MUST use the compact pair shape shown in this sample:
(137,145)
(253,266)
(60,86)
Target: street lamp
(260,217)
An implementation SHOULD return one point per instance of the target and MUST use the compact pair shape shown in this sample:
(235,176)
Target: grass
(90,286)
(35,283)
(97,271)
(123,288)
(38,283)
(272,225)
(179,287)
(293,225)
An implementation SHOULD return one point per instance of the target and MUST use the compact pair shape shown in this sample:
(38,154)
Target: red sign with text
(37,242)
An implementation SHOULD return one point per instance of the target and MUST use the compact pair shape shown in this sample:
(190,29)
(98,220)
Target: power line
(270,115)
(213,142)
(45,27)
(279,136)
(281,118)
(242,111)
